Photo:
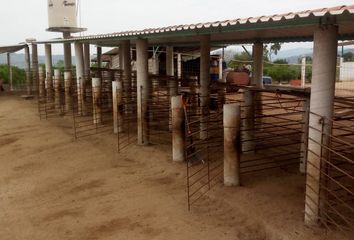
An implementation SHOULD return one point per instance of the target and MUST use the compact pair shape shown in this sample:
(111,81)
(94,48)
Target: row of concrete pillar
(324,69)
(319,109)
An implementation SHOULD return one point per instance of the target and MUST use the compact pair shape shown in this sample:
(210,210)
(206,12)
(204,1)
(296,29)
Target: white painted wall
(346,71)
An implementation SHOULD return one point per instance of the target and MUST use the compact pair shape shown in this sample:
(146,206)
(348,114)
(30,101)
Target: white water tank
(61,14)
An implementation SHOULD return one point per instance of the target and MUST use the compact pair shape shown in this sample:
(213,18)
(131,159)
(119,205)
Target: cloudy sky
(21,19)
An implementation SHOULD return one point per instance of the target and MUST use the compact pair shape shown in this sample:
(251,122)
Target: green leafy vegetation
(348,57)
(281,72)
(18,75)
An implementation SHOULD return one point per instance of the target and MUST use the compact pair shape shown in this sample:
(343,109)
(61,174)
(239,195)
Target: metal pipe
(232,144)
(178,129)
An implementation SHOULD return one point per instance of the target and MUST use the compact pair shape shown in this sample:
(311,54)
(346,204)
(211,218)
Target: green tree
(281,61)
(348,57)
(18,75)
(271,49)
(60,65)
(239,59)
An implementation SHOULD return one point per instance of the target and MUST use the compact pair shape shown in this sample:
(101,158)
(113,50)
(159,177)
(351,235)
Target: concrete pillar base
(232,144)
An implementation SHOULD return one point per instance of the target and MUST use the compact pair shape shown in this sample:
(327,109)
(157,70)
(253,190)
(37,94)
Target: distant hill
(18,59)
(293,55)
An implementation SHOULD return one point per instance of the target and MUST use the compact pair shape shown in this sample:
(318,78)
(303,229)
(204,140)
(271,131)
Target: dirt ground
(52,187)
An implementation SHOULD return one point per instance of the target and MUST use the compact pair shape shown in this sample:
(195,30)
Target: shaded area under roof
(12,48)
(288,27)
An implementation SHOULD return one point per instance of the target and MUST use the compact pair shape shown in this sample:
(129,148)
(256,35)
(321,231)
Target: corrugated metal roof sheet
(278,17)
(12,48)
(234,24)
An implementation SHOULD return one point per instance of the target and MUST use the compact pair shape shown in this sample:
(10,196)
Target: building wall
(346,72)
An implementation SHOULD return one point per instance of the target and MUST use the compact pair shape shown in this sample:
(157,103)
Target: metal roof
(346,43)
(297,26)
(12,48)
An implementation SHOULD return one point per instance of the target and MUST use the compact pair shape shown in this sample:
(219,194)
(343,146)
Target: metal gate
(204,143)
(158,108)
(336,196)
(54,100)
(126,125)
(272,137)
(92,106)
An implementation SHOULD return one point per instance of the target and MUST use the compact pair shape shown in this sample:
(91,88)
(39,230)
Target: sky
(21,19)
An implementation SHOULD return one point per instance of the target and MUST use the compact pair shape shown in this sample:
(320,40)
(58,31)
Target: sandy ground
(52,187)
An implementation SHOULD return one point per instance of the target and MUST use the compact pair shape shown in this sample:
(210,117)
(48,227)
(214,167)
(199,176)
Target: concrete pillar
(257,70)
(9,68)
(321,104)
(87,61)
(117,91)
(35,83)
(96,101)
(232,144)
(121,56)
(248,144)
(67,89)
(99,57)
(80,80)
(169,61)
(156,64)
(143,91)
(303,71)
(178,129)
(67,53)
(341,68)
(28,70)
(220,68)
(127,71)
(204,83)
(41,79)
(305,135)
(221,90)
(170,71)
(48,70)
(57,89)
(179,65)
